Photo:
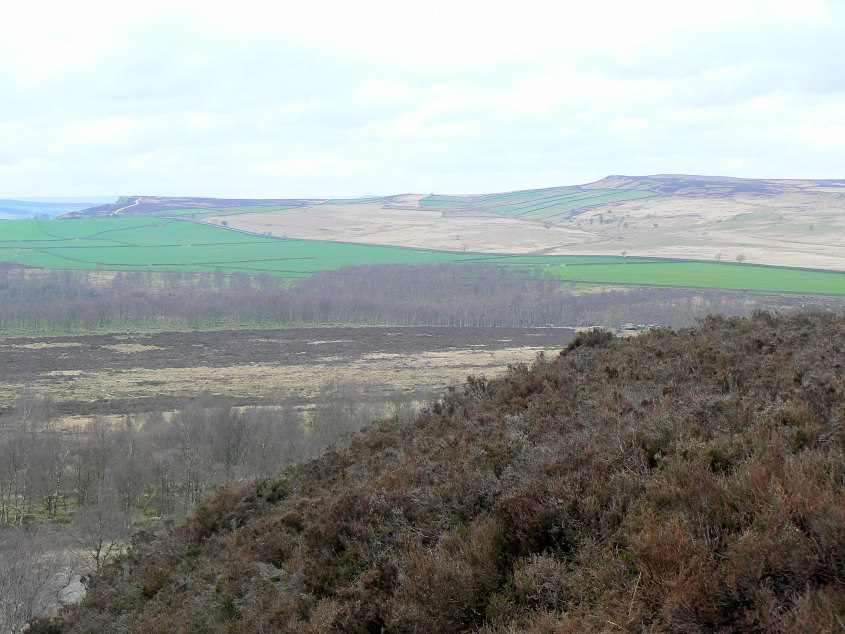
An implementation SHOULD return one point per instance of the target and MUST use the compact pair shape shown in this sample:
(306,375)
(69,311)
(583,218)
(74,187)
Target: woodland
(34,302)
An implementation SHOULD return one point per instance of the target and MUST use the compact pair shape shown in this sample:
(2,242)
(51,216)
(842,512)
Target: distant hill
(127,206)
(18,209)
(685,185)
(777,222)
(534,203)
(688,481)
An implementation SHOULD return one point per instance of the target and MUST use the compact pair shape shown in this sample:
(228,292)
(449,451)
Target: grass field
(535,204)
(199,212)
(706,275)
(140,244)
(181,245)
(614,270)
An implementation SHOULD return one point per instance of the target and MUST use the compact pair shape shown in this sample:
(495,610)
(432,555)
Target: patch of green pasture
(38,258)
(521,207)
(573,205)
(704,275)
(95,228)
(203,212)
(71,229)
(437,200)
(540,195)
(551,260)
(276,256)
(529,194)
(572,202)
(106,242)
(15,231)
(142,244)
(497,201)
(353,201)
(537,204)
(139,244)
(79,232)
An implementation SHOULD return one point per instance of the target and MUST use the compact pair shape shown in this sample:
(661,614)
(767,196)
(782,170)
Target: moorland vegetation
(689,480)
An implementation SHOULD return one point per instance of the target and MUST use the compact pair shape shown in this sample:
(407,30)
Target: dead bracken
(675,481)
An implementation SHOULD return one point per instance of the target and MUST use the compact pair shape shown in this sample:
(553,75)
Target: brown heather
(687,481)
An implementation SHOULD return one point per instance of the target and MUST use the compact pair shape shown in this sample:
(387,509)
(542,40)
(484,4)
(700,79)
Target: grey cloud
(795,56)
(178,110)
(181,71)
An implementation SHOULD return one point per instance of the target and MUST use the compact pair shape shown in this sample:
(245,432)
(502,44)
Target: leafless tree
(277,437)
(99,531)
(34,567)
(342,410)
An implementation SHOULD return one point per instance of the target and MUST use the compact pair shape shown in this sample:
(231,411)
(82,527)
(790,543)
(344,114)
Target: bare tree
(100,531)
(130,463)
(276,437)
(90,459)
(344,408)
(34,568)
(14,462)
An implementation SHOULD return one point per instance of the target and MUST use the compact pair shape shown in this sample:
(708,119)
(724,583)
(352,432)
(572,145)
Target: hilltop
(776,222)
(688,185)
(681,481)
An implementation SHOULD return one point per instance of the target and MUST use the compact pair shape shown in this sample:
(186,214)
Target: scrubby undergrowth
(689,481)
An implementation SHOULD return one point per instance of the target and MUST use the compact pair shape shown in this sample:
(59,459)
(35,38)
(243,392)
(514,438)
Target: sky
(328,98)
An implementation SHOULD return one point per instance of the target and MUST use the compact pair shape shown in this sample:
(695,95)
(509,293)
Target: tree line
(160,463)
(35,302)
(70,497)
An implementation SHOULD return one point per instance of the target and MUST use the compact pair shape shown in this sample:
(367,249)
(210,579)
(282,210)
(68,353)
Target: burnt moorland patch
(129,373)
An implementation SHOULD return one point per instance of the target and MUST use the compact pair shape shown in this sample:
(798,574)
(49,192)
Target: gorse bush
(689,481)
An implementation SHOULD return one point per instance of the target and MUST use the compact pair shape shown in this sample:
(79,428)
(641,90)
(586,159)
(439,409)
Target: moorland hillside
(689,480)
(785,222)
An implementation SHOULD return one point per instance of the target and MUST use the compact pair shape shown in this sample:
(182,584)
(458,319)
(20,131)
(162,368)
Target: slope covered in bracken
(678,481)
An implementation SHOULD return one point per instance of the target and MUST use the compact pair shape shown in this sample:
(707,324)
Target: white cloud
(628,123)
(333,98)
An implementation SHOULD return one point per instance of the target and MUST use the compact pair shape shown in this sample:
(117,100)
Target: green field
(202,212)
(536,204)
(141,244)
(181,245)
(353,201)
(706,275)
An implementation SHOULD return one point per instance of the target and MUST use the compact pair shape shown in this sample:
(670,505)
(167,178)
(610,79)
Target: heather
(687,480)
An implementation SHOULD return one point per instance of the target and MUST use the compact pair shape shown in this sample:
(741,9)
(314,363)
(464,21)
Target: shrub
(669,482)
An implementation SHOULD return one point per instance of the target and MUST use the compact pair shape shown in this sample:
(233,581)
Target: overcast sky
(329,98)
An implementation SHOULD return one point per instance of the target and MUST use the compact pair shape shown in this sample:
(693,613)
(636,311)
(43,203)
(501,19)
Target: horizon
(315,196)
